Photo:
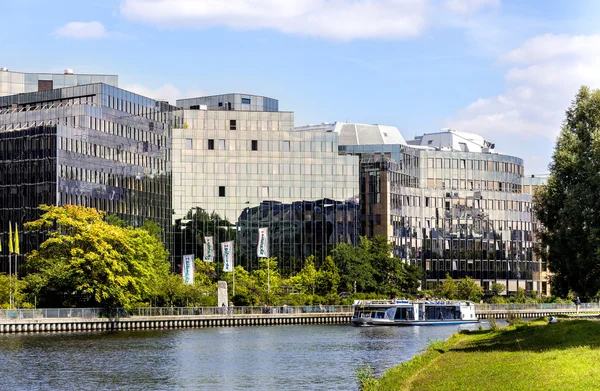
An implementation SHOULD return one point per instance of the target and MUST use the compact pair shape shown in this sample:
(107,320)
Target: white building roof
(452,140)
(358,134)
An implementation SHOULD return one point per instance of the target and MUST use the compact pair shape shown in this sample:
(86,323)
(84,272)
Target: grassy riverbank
(531,356)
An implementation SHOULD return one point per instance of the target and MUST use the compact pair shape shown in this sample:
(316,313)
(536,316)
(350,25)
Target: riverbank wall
(167,322)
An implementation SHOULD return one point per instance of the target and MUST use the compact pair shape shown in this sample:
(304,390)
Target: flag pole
(10,300)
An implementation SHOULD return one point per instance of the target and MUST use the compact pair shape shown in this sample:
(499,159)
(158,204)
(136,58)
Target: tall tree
(85,257)
(569,207)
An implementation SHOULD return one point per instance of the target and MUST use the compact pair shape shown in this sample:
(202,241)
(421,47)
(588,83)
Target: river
(233,358)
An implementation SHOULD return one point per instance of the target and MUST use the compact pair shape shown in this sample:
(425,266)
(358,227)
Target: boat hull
(385,322)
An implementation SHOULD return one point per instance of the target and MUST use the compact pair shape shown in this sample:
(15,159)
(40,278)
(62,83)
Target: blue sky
(503,69)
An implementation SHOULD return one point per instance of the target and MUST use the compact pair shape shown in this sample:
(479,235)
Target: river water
(233,358)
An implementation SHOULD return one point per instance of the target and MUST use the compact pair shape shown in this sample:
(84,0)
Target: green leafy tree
(18,286)
(328,278)
(306,280)
(448,289)
(354,267)
(519,296)
(268,280)
(497,288)
(467,289)
(85,257)
(568,207)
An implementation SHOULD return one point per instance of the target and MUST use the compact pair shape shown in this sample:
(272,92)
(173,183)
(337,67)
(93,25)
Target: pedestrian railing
(536,307)
(90,313)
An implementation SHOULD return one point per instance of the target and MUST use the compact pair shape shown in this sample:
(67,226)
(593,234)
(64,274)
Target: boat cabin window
(441,313)
(404,314)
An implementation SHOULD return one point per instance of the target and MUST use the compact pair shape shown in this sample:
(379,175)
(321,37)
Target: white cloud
(167,92)
(543,77)
(331,19)
(82,30)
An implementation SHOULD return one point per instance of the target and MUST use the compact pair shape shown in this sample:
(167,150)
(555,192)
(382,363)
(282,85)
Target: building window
(255,145)
(221,191)
(232,124)
(245,101)
(189,143)
(264,191)
(220,104)
(286,146)
(221,144)
(211,144)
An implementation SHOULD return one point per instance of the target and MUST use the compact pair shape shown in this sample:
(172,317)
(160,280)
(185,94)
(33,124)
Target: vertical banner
(209,252)
(227,252)
(262,250)
(188,269)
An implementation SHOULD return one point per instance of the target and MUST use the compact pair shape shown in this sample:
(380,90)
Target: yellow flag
(17,250)
(10,240)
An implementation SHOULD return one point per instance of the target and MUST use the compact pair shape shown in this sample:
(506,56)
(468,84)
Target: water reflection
(242,358)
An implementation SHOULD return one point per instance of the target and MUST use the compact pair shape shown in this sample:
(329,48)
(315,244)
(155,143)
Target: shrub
(365,377)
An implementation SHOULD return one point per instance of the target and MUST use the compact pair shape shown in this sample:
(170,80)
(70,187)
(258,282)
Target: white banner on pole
(227,252)
(209,252)
(262,250)
(188,269)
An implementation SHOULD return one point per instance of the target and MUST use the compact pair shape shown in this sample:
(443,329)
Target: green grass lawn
(530,356)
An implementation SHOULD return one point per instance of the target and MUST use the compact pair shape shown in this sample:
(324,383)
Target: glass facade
(451,212)
(234,102)
(19,82)
(226,161)
(260,158)
(93,145)
(297,230)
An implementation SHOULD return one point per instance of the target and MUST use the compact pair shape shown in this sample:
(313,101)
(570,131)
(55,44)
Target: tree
(86,258)
(569,207)
(354,266)
(447,289)
(17,290)
(467,289)
(328,278)
(306,280)
(497,288)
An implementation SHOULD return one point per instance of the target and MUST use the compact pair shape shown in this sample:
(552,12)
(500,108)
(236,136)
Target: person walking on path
(577,304)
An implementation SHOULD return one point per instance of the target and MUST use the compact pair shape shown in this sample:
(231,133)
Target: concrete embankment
(167,322)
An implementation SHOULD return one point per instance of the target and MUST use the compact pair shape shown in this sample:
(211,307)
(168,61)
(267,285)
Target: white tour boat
(412,313)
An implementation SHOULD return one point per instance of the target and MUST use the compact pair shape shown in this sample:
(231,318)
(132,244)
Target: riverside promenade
(94,319)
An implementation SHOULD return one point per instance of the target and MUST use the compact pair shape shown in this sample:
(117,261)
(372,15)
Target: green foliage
(497,288)
(371,268)
(365,376)
(519,296)
(447,289)
(566,206)
(529,356)
(467,289)
(17,289)
(86,258)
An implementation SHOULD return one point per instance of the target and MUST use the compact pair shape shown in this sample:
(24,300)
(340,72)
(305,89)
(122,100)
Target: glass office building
(93,145)
(225,161)
(236,102)
(12,83)
(298,230)
(448,203)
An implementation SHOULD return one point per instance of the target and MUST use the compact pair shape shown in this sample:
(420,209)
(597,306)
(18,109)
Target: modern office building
(225,161)
(298,230)
(93,145)
(230,102)
(448,202)
(12,83)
